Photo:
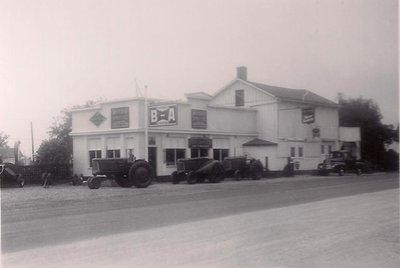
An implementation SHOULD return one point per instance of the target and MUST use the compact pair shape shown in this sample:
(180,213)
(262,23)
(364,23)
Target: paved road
(34,217)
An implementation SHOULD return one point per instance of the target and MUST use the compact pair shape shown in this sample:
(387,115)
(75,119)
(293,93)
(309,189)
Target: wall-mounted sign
(315,132)
(308,115)
(163,115)
(200,143)
(199,119)
(120,117)
(97,119)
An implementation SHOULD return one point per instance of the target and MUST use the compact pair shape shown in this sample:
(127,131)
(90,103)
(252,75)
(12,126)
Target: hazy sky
(55,54)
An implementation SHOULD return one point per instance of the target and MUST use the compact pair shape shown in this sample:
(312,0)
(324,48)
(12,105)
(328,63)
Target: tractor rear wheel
(217,173)
(256,170)
(124,182)
(141,174)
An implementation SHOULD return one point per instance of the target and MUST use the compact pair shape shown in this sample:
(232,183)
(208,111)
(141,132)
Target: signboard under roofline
(120,117)
(199,119)
(163,115)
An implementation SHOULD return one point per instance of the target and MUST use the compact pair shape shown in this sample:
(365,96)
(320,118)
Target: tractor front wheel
(94,183)
(237,175)
(191,177)
(141,174)
(20,181)
(175,177)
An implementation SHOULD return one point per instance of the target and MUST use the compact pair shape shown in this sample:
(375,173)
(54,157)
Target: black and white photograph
(199,133)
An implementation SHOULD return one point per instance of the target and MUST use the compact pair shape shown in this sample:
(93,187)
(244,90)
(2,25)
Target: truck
(195,170)
(126,172)
(340,162)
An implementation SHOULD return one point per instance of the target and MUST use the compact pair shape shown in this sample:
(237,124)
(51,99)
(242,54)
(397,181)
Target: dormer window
(239,97)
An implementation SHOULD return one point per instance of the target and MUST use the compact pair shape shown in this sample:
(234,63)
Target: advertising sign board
(163,115)
(120,117)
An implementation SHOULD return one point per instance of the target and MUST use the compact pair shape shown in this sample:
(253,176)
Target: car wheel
(94,183)
(175,177)
(141,174)
(191,178)
(341,171)
(358,172)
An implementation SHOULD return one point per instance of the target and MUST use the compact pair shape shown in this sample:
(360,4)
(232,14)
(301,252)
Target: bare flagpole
(33,149)
(146,134)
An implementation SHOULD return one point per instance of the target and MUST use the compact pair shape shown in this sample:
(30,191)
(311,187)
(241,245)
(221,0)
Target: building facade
(269,123)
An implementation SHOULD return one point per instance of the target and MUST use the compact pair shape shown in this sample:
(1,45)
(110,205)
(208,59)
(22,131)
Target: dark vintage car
(242,167)
(198,170)
(340,162)
(10,175)
(126,173)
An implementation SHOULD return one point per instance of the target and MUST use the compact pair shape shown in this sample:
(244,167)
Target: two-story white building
(266,122)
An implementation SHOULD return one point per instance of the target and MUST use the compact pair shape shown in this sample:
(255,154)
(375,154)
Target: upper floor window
(300,151)
(292,151)
(239,97)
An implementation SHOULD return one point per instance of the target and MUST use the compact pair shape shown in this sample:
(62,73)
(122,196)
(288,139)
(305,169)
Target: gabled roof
(259,142)
(289,94)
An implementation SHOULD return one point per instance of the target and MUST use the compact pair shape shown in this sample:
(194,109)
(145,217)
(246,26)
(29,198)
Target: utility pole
(33,148)
(146,134)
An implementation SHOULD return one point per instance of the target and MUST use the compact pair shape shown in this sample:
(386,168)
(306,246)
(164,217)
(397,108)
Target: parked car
(10,175)
(340,162)
(242,167)
(198,170)
(126,173)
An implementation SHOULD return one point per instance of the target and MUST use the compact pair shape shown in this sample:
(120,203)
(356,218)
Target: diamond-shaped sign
(97,119)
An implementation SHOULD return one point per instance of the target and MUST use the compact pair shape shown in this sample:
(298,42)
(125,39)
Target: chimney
(241,72)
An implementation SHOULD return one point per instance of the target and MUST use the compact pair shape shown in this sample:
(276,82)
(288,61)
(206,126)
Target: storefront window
(171,155)
(220,154)
(94,154)
(113,154)
(194,153)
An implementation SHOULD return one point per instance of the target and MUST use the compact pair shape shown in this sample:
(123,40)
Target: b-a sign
(163,115)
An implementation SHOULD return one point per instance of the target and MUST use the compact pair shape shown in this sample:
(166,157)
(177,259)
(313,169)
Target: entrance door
(153,159)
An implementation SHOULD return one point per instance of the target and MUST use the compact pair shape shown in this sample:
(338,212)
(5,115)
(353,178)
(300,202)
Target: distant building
(273,124)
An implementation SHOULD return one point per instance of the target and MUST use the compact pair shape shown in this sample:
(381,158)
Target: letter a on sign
(171,115)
